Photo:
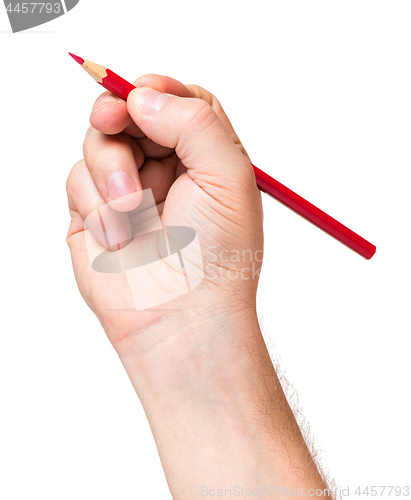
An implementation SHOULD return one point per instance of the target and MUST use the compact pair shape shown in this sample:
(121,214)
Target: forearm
(198,362)
(217,410)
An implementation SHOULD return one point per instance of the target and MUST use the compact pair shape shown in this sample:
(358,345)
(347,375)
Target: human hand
(189,155)
(200,365)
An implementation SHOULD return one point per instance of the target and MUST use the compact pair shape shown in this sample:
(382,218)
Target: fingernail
(104,100)
(149,101)
(120,184)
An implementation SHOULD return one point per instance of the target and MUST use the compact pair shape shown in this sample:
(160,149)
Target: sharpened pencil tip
(77,58)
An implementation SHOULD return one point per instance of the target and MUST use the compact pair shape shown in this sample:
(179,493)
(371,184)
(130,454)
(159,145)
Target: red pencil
(120,87)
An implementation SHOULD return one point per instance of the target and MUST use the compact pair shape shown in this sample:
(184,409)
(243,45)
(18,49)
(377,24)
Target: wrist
(213,368)
(188,346)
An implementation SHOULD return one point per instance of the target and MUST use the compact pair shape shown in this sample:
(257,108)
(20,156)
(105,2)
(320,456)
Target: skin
(199,366)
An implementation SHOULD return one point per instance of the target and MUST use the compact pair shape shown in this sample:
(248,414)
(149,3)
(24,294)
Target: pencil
(120,87)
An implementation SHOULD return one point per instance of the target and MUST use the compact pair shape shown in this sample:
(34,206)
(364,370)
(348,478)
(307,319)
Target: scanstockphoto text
(275,491)
(233,264)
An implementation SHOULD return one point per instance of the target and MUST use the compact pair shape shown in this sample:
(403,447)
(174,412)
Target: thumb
(195,131)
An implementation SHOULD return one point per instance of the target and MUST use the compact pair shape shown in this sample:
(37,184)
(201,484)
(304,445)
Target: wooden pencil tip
(77,58)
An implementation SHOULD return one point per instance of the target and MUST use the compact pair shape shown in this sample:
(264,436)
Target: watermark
(26,15)
(127,237)
(267,491)
(233,264)
(275,491)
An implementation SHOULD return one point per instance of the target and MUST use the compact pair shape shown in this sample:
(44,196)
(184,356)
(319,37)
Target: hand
(189,155)
(200,365)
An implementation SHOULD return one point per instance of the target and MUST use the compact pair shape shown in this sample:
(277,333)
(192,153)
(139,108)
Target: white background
(320,94)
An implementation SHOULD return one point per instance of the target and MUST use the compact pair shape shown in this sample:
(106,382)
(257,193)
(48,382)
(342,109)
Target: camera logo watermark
(160,263)
(26,15)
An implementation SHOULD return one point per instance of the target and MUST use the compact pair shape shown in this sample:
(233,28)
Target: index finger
(115,119)
(110,116)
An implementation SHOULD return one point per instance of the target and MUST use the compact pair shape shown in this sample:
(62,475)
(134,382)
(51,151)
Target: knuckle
(207,96)
(77,169)
(102,157)
(199,115)
(89,132)
(107,159)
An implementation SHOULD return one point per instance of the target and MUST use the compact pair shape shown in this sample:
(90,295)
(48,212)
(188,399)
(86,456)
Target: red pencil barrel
(114,83)
(313,214)
(122,89)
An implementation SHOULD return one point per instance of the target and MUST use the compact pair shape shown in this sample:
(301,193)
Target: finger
(200,93)
(168,85)
(110,116)
(115,119)
(197,134)
(113,162)
(109,113)
(159,176)
(109,227)
(163,84)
